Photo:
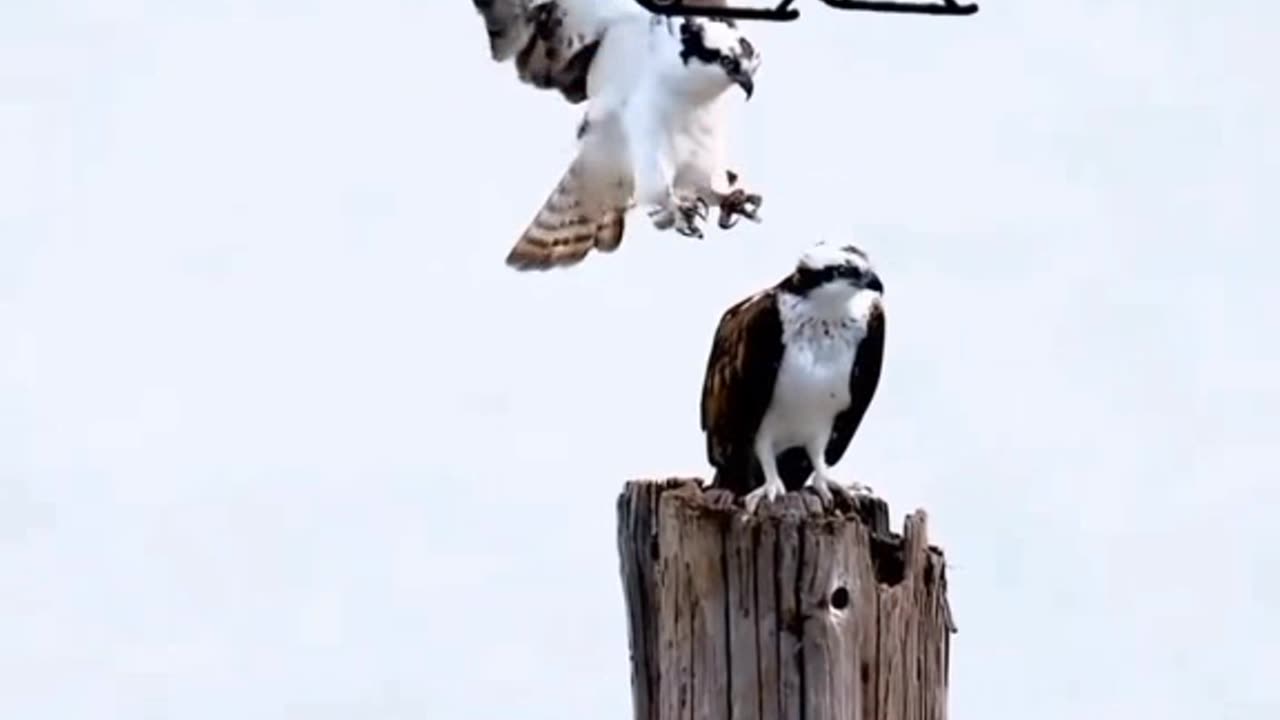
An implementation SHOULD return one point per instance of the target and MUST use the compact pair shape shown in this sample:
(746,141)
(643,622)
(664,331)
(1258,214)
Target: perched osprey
(791,373)
(652,134)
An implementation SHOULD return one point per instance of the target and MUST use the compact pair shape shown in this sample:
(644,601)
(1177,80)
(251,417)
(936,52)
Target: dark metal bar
(780,13)
(783,11)
(946,7)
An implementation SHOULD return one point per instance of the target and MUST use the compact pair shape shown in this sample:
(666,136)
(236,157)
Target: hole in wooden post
(888,558)
(840,598)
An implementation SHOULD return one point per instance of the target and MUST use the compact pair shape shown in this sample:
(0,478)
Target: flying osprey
(791,373)
(652,134)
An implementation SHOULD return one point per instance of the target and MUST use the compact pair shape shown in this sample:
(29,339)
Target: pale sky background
(281,436)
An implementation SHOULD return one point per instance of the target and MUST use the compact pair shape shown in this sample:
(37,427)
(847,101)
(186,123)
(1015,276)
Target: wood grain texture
(797,613)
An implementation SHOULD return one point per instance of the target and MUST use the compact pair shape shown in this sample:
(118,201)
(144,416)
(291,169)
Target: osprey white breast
(813,378)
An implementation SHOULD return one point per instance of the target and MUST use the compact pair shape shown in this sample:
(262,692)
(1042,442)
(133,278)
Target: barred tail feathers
(566,229)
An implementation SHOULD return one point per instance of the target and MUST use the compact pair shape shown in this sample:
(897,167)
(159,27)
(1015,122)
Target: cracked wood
(797,613)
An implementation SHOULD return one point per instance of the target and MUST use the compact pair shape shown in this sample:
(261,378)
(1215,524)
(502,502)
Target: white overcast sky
(281,436)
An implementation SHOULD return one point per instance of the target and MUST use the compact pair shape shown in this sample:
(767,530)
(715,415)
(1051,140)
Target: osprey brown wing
(738,387)
(553,46)
(863,381)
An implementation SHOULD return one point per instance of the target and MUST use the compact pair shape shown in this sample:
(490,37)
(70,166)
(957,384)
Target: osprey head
(715,46)
(833,272)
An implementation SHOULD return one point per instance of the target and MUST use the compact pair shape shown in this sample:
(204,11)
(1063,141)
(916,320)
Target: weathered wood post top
(794,613)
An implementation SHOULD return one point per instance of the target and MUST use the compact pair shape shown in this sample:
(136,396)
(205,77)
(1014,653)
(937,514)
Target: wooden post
(796,613)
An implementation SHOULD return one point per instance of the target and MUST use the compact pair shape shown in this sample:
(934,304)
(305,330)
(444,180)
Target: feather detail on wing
(738,387)
(553,41)
(567,227)
(863,381)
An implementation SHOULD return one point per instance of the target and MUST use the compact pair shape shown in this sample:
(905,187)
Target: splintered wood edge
(869,510)
(911,546)
(805,502)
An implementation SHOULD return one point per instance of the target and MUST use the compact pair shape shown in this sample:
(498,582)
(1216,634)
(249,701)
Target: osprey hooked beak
(873,283)
(745,82)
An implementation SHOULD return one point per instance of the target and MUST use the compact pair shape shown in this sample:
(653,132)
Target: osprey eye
(729,63)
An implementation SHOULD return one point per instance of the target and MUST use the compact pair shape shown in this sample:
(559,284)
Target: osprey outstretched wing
(652,133)
(553,41)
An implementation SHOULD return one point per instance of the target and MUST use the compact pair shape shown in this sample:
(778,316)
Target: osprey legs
(773,486)
(823,483)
